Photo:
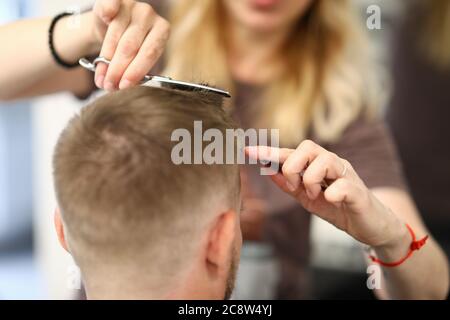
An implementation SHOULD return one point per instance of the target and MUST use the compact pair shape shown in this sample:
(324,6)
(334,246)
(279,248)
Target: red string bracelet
(415,245)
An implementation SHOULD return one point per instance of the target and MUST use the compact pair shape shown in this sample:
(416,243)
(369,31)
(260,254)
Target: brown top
(419,117)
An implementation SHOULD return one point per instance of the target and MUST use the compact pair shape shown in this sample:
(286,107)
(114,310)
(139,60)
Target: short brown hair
(121,197)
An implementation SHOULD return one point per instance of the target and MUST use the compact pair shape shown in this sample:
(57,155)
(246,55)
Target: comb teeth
(207,85)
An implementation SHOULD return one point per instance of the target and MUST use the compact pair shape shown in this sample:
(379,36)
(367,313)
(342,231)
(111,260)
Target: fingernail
(99,81)
(125,84)
(290,186)
(109,86)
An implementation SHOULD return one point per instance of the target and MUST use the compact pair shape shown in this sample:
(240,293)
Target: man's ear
(60,229)
(224,233)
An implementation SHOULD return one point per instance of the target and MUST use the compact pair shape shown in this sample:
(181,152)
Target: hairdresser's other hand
(346,203)
(132,36)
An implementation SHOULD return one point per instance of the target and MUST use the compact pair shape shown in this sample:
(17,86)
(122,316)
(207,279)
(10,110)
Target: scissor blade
(163,81)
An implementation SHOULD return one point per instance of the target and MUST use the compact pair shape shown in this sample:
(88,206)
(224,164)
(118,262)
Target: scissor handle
(91,66)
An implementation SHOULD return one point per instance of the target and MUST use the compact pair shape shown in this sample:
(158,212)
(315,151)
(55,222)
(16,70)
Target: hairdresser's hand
(130,34)
(346,203)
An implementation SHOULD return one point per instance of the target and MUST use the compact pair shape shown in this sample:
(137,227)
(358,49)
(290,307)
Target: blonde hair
(325,83)
(435,31)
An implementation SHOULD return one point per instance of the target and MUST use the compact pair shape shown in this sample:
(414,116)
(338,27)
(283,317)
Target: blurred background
(32,264)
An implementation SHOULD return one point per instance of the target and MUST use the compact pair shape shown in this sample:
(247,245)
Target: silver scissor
(162,81)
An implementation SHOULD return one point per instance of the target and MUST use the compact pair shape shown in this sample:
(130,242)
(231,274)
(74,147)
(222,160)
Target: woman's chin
(264,25)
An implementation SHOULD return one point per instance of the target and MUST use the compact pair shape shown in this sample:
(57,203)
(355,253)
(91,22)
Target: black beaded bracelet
(51,45)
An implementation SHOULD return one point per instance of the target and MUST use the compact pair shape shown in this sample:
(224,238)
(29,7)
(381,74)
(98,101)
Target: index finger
(150,51)
(268,154)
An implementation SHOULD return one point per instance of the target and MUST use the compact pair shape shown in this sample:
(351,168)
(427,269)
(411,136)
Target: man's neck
(130,294)
(138,288)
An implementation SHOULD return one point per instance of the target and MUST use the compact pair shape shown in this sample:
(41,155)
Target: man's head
(137,224)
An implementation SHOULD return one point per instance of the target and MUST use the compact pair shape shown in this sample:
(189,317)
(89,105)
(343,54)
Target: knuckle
(347,164)
(143,10)
(106,8)
(147,9)
(164,29)
(307,144)
(165,25)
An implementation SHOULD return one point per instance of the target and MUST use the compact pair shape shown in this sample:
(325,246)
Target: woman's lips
(264,4)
